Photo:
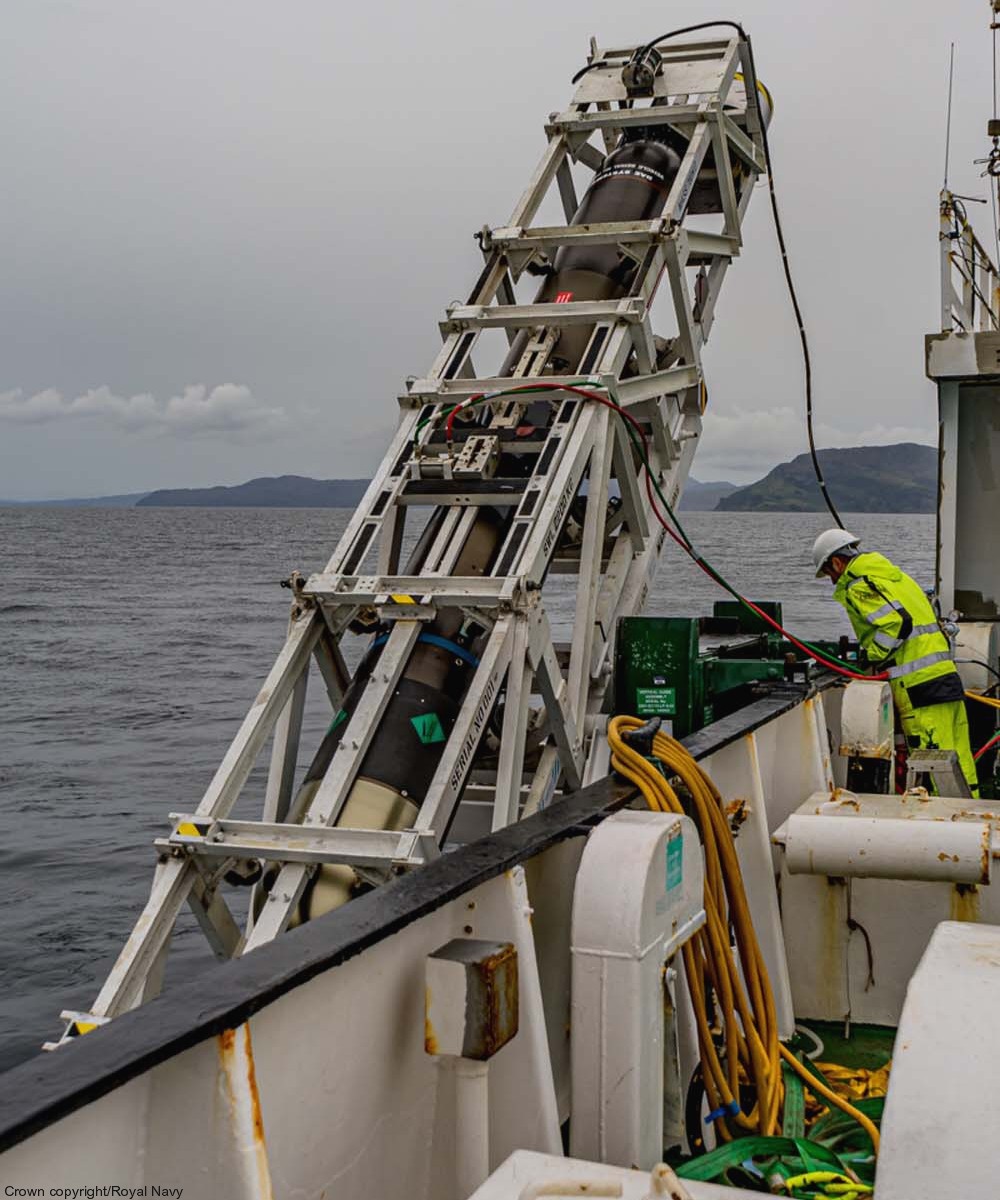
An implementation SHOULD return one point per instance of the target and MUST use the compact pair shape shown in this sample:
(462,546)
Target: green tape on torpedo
(339,719)
(429,728)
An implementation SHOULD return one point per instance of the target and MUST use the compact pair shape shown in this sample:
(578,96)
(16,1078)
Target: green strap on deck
(794,1121)
(812,1155)
(835,1125)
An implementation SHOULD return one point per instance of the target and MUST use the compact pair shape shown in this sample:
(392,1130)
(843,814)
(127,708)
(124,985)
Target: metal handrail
(970,282)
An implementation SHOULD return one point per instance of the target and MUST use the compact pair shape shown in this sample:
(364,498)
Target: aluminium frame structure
(700,92)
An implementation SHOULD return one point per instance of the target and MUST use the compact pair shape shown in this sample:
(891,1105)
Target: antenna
(947,136)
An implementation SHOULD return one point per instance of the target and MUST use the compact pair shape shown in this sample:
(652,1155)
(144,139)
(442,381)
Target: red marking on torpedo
(564,297)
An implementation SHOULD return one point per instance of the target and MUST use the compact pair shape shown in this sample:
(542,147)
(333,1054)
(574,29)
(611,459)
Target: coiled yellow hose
(744,1013)
(741,1043)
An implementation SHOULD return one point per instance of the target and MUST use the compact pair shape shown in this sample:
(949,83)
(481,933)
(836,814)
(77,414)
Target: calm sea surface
(132,642)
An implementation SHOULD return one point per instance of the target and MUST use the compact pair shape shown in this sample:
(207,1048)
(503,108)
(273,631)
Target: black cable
(599,62)
(694,29)
(793,295)
(662,38)
(978,662)
(751,90)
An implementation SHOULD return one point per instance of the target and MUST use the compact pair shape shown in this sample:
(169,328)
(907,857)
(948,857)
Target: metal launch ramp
(517,484)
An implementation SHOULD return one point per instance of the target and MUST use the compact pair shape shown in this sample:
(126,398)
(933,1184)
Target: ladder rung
(666,114)
(431,390)
(628,391)
(462,492)
(606,233)
(510,442)
(701,244)
(298,843)
(631,309)
(451,590)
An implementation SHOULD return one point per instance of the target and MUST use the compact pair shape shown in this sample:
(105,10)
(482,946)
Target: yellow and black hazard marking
(195,829)
(81,1023)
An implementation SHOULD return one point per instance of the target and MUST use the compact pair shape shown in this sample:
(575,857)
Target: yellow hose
(744,1013)
(983,699)
(745,1021)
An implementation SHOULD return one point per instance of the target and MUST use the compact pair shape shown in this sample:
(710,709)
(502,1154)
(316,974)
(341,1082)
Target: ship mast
(963,360)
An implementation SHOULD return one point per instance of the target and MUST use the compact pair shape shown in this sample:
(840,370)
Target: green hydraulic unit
(662,668)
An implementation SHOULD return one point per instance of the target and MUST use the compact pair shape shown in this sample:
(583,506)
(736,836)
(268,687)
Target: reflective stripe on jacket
(897,629)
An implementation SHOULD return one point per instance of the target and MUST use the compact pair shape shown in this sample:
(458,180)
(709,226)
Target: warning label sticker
(655,701)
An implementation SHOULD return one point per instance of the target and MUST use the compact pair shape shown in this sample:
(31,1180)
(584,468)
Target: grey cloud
(194,196)
(197,411)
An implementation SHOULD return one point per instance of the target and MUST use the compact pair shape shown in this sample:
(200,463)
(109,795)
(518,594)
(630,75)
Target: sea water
(132,642)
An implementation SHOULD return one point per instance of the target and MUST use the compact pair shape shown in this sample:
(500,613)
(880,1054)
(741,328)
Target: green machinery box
(660,670)
(654,671)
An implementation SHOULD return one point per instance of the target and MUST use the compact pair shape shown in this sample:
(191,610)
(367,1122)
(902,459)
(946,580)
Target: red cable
(684,545)
(989,745)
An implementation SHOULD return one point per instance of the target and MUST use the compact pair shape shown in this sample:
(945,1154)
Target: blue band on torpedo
(432,639)
(444,644)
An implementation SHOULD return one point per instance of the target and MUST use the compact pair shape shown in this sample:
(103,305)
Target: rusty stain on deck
(431,1044)
(258,1116)
(499,971)
(737,812)
(833,921)
(233,1072)
(965,902)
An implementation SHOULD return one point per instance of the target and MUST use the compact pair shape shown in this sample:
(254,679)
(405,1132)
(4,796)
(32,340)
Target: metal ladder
(943,769)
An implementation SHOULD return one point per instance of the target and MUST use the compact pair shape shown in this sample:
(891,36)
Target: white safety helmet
(828,543)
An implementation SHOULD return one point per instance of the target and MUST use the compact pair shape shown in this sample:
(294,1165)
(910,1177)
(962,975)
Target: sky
(230,227)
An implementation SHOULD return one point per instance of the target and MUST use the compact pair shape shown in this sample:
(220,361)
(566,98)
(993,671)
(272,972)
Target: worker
(898,631)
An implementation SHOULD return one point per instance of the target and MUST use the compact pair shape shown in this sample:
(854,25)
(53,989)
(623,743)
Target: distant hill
(126,501)
(703,497)
(900,478)
(284,491)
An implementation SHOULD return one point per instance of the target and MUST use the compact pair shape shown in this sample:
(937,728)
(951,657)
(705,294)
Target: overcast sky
(231,226)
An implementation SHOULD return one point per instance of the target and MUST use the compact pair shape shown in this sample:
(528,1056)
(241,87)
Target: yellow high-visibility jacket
(898,631)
